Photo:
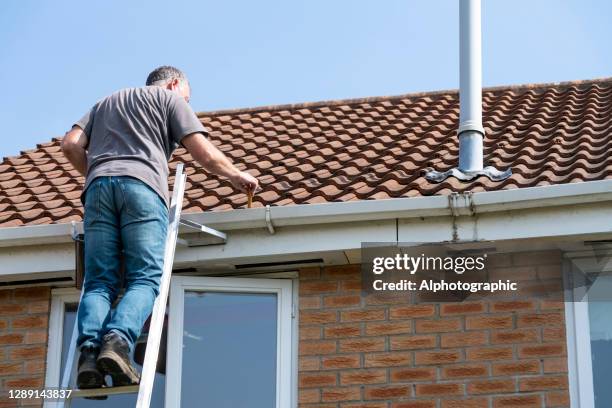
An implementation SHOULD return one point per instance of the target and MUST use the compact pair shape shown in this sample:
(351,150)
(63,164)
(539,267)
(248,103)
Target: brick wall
(373,352)
(24,319)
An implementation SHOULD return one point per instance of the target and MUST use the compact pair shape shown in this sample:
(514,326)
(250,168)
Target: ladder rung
(99,392)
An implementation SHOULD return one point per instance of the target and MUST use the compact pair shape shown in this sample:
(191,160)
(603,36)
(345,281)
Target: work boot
(114,360)
(88,375)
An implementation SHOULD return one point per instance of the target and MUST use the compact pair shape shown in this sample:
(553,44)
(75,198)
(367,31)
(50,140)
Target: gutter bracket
(269,224)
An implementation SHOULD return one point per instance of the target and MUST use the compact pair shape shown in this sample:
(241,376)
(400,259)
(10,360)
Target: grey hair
(163,74)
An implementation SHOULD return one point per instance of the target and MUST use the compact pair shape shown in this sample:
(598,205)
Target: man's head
(170,78)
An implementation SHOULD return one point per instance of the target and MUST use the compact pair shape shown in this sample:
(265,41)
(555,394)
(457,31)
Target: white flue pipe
(470,130)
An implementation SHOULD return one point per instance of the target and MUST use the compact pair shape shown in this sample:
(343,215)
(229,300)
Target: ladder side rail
(147,377)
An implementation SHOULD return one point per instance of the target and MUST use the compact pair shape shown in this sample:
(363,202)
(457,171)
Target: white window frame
(59,299)
(287,337)
(285,367)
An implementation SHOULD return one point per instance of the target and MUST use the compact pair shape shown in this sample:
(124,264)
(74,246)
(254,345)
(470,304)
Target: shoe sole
(91,379)
(112,364)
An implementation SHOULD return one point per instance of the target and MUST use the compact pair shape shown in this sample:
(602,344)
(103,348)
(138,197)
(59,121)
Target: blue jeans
(123,216)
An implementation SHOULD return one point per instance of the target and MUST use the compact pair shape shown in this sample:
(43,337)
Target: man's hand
(73,145)
(244,182)
(213,160)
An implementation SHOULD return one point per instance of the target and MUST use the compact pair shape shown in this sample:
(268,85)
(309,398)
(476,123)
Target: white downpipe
(470,130)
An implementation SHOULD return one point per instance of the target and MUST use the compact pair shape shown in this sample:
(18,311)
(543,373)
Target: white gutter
(354,211)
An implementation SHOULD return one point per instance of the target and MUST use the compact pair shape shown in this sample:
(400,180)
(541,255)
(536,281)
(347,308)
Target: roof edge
(351,211)
(353,101)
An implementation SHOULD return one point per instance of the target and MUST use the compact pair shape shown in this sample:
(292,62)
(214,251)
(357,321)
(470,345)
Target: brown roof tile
(363,149)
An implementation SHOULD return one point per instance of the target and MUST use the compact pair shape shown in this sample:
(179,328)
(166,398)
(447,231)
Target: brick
(491,353)
(309,302)
(437,357)
(362,345)
(308,363)
(364,405)
(465,371)
(489,322)
(430,390)
(542,383)
(362,315)
(514,336)
(557,399)
(35,337)
(513,305)
(317,347)
(11,338)
(438,326)
(341,361)
(341,394)
(7,309)
(342,330)
(551,304)
(491,387)
(32,293)
(518,401)
(555,365)
(30,322)
(452,340)
(412,342)
(553,334)
(462,308)
(350,286)
(413,374)
(342,272)
(411,311)
(540,319)
(25,382)
(3,324)
(541,350)
(310,333)
(415,404)
(35,367)
(310,273)
(317,287)
(386,298)
(306,396)
(465,403)
(387,392)
(386,328)
(342,301)
(311,380)
(391,359)
(358,377)
(39,306)
(317,316)
(27,353)
(8,368)
(516,368)
(6,295)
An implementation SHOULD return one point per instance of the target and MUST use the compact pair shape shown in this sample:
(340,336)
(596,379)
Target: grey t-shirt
(134,131)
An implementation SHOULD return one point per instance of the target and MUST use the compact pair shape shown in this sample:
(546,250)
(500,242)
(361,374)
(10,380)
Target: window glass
(229,350)
(600,321)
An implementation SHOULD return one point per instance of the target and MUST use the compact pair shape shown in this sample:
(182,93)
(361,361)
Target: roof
(359,149)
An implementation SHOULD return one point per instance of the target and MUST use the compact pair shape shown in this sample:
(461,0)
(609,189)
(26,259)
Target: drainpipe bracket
(463,175)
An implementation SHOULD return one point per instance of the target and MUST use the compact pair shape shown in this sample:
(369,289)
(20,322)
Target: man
(122,146)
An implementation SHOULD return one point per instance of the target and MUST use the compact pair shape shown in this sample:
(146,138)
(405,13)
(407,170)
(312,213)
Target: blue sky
(57,58)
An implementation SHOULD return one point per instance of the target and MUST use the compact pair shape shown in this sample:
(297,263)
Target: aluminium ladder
(145,387)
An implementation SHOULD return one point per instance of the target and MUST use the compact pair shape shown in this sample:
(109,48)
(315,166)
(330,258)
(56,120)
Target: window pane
(118,401)
(600,320)
(229,350)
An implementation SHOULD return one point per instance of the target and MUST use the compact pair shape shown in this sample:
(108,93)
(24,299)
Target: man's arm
(213,160)
(73,146)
